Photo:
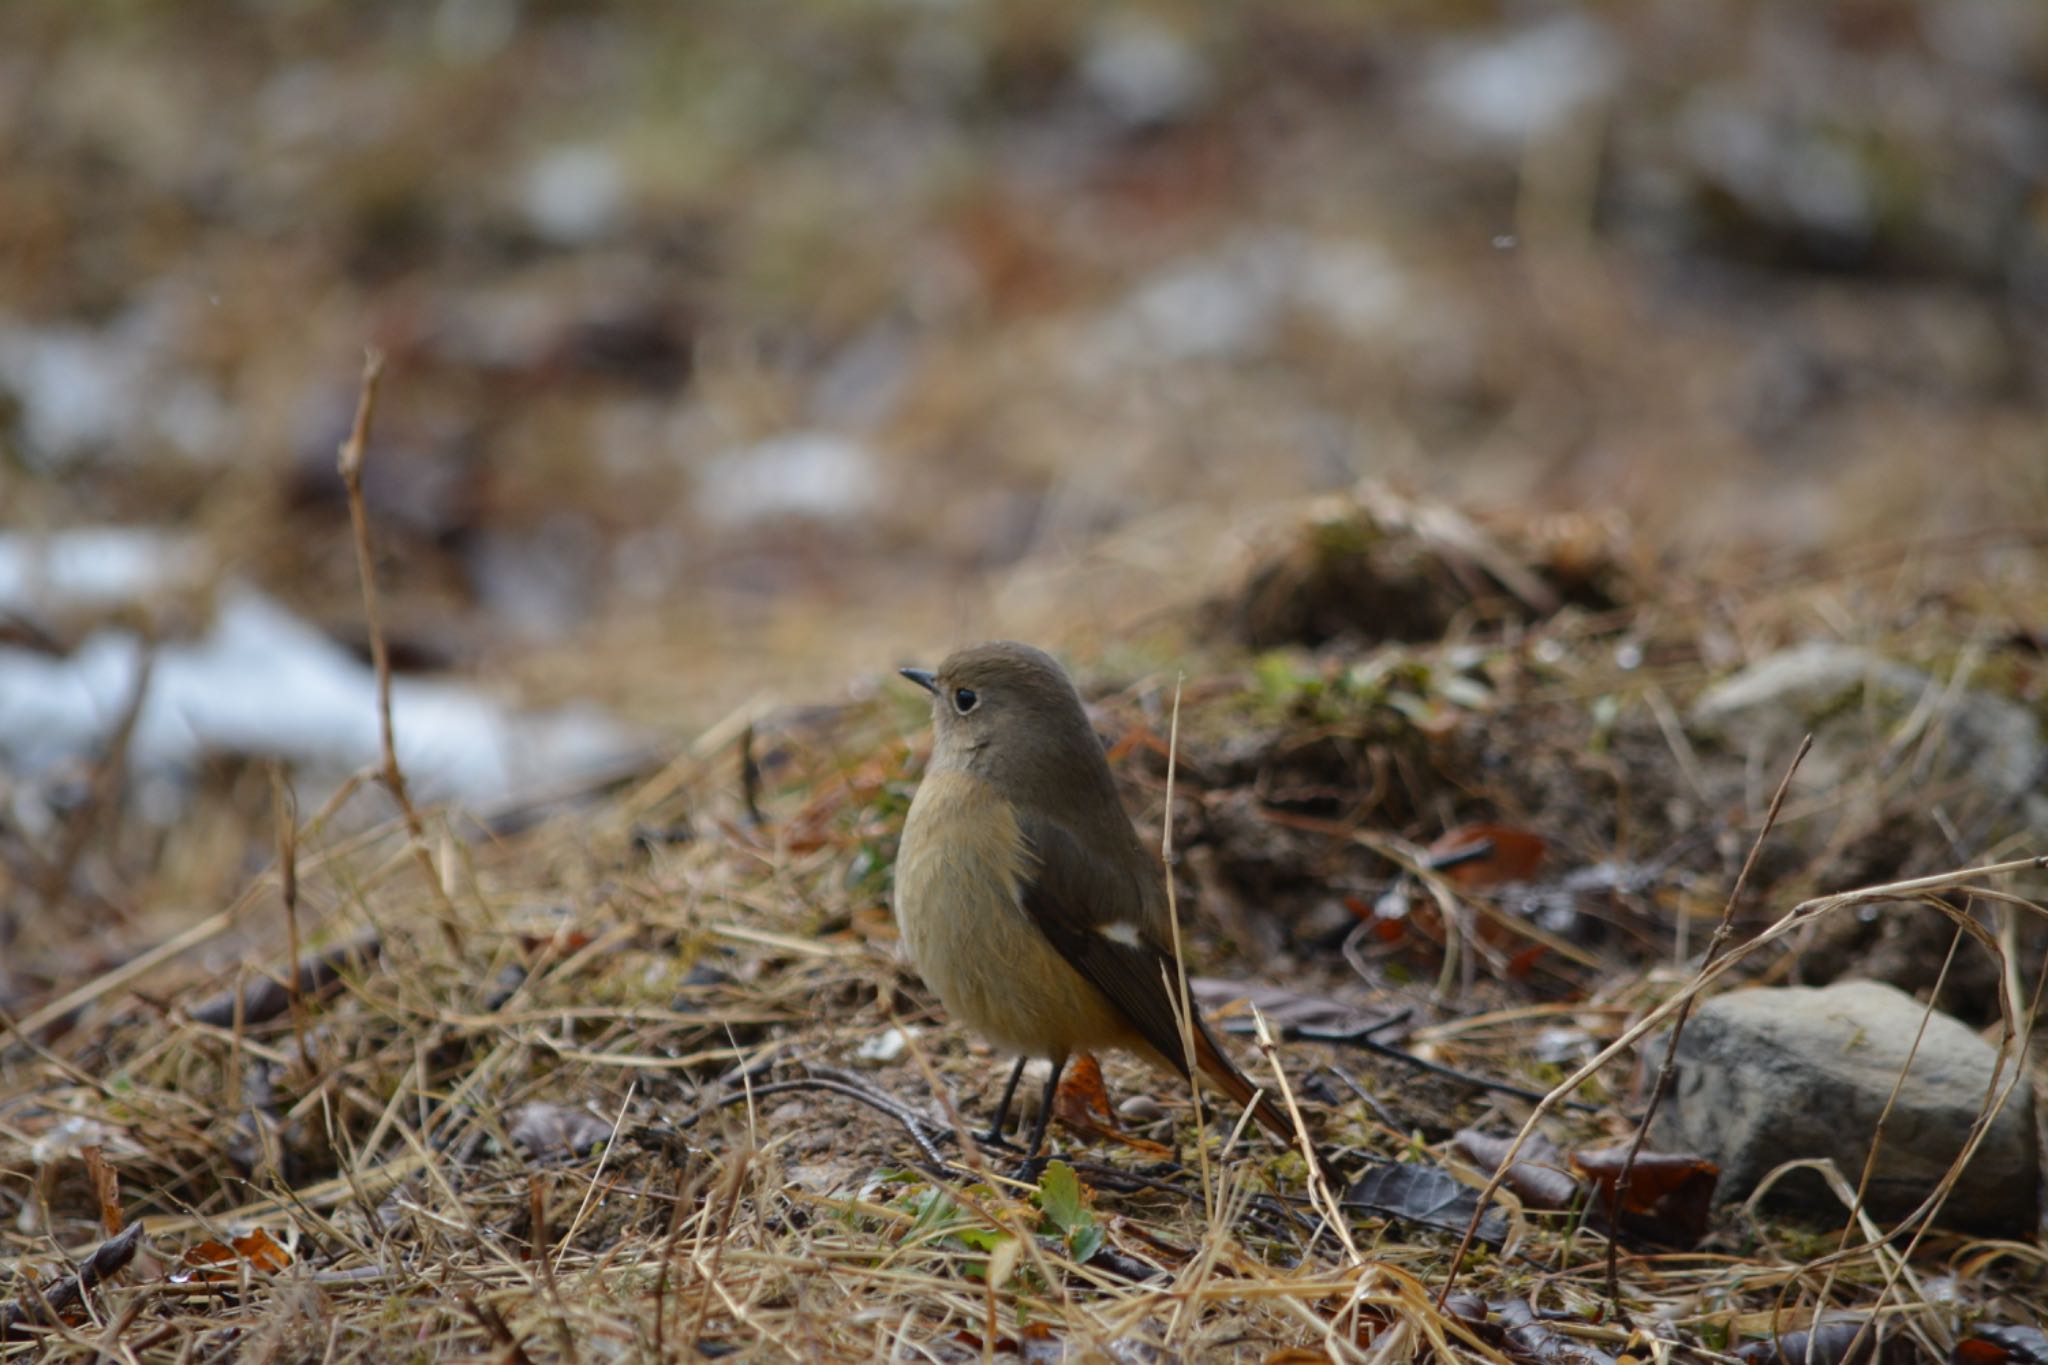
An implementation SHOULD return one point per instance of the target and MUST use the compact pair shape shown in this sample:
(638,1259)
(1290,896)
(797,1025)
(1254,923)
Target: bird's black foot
(1030,1170)
(1001,1118)
(993,1140)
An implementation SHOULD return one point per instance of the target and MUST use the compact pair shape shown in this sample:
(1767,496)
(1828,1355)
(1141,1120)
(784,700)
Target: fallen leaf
(64,1297)
(1474,856)
(1540,1176)
(1670,1195)
(2002,1344)
(1285,1009)
(1036,1345)
(562,941)
(1428,1195)
(211,1260)
(1082,1104)
(555,1130)
(265,998)
(1532,1339)
(106,1188)
(1837,1341)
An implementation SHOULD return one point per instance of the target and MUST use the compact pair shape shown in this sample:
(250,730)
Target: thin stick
(103,791)
(680,1200)
(611,1144)
(1322,1196)
(500,1332)
(42,1306)
(735,1179)
(349,461)
(285,811)
(1669,1067)
(1362,1038)
(1184,1008)
(1792,919)
(882,1103)
(750,778)
(1857,1206)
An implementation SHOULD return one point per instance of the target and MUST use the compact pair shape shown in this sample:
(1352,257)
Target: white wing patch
(1121,931)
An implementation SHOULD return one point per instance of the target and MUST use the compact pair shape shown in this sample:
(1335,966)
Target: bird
(1024,896)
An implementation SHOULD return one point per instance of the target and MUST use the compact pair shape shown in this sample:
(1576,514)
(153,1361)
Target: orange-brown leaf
(106,1188)
(1475,856)
(1082,1104)
(1670,1195)
(257,1248)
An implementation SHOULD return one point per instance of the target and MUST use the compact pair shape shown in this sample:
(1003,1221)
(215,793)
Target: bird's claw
(1030,1170)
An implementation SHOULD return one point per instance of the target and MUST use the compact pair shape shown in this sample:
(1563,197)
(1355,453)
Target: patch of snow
(1525,83)
(1228,303)
(574,195)
(94,566)
(813,474)
(263,682)
(1144,70)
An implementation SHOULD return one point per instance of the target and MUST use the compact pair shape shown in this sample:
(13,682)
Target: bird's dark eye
(965,700)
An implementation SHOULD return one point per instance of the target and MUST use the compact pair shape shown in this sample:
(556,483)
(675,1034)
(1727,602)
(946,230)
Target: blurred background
(739,352)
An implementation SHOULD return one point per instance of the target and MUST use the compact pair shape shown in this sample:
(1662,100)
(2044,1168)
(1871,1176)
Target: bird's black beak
(924,678)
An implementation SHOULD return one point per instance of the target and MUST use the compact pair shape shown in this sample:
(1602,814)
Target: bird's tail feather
(1218,1067)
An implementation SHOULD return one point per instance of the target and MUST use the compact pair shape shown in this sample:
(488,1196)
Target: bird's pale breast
(959,873)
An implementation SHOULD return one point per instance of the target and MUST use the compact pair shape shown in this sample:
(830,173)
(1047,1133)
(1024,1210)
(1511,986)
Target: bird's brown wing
(1090,913)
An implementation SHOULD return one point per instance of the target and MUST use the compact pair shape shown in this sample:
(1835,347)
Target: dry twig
(349,461)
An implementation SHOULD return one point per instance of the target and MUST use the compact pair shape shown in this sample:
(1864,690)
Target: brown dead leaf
(2002,1344)
(1540,1177)
(1082,1104)
(1836,1341)
(553,1131)
(1670,1195)
(564,940)
(106,1188)
(264,998)
(1531,1338)
(62,1301)
(1475,856)
(257,1249)
(1036,1345)
(1285,1008)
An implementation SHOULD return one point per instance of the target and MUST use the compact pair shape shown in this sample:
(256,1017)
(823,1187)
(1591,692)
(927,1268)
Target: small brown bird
(1024,895)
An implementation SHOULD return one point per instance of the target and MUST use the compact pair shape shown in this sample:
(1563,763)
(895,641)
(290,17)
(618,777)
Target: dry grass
(586,1125)
(586,1080)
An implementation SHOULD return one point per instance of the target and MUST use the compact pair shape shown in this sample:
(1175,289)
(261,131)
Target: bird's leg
(1034,1158)
(994,1136)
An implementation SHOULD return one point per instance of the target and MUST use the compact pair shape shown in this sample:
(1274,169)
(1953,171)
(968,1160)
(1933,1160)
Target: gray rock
(1769,1076)
(1866,714)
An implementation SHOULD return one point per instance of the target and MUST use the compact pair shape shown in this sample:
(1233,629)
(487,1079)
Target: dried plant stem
(1183,1005)
(1791,921)
(285,811)
(1856,1202)
(1669,1067)
(735,1182)
(104,790)
(350,463)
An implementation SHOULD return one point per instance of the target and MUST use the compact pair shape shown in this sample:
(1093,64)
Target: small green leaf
(932,1211)
(1059,1197)
(1084,1241)
(977,1239)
